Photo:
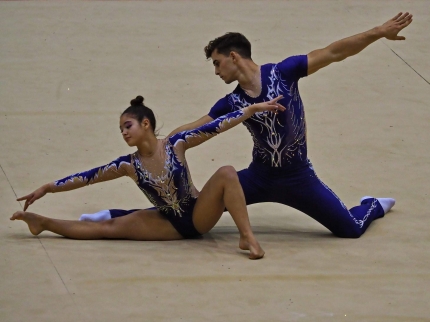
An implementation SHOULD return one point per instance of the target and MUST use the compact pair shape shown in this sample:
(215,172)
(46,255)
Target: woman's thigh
(141,225)
(210,204)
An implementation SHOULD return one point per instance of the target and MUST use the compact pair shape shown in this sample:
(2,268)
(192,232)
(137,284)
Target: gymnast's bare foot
(33,221)
(251,244)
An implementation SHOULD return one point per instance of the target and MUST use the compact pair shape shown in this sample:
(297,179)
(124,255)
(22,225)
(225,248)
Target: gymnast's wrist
(48,187)
(248,111)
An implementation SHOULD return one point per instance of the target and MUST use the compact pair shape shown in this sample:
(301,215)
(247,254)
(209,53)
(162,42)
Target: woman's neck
(148,147)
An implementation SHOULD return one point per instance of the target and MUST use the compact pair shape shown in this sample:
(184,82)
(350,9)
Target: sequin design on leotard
(279,139)
(172,193)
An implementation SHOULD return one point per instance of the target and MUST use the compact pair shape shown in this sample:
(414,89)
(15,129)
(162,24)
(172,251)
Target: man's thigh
(254,188)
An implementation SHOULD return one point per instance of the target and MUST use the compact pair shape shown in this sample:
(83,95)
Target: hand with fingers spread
(271,106)
(392,27)
(32,197)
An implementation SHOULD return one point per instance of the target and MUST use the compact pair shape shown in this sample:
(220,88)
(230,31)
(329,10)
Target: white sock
(386,203)
(98,216)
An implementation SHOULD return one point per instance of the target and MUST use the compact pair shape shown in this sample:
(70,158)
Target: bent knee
(227,172)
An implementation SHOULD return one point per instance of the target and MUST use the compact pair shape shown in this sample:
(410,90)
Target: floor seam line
(46,252)
(61,279)
(10,184)
(407,63)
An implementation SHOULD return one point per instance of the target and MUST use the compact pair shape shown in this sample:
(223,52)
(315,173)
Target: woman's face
(132,131)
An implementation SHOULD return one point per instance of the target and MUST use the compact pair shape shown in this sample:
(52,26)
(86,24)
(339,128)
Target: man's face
(225,66)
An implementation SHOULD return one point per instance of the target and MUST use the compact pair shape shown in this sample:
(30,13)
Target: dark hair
(139,111)
(231,41)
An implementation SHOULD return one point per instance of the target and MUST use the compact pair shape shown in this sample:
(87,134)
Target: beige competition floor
(68,69)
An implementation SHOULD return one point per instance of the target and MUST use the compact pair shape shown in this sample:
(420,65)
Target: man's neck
(250,78)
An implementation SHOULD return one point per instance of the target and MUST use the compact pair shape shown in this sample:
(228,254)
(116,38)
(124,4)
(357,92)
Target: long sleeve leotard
(170,190)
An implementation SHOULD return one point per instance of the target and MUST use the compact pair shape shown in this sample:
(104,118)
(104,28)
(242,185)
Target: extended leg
(311,196)
(223,190)
(140,225)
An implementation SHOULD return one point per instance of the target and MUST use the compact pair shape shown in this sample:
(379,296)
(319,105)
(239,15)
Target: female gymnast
(160,170)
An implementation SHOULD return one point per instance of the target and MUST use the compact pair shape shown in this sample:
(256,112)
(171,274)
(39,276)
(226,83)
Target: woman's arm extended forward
(113,170)
(207,131)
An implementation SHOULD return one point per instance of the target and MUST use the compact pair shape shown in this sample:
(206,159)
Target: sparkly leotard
(279,139)
(280,170)
(173,192)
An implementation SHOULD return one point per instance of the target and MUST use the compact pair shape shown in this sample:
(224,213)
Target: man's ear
(234,56)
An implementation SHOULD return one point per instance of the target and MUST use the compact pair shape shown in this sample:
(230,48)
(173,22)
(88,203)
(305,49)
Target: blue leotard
(279,139)
(280,170)
(172,192)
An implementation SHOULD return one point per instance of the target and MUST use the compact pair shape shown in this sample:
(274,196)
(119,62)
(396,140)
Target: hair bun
(138,101)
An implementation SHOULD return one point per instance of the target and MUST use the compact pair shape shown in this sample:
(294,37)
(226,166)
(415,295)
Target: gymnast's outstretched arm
(350,46)
(192,138)
(115,169)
